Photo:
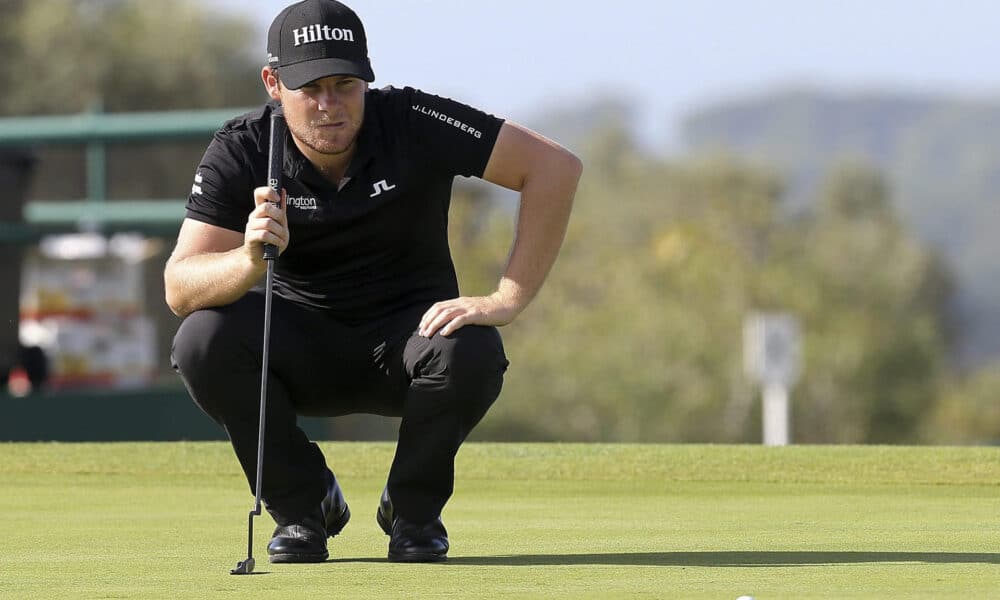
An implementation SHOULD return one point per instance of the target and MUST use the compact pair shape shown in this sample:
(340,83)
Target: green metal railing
(95,131)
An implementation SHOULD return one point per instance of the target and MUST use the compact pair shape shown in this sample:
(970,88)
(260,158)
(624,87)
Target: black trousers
(440,386)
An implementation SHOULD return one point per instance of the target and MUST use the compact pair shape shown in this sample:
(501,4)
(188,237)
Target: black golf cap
(317,38)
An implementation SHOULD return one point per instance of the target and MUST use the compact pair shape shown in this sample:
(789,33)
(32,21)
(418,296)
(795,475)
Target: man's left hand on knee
(448,316)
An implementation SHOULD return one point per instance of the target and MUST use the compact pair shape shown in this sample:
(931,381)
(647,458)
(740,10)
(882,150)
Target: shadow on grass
(716,559)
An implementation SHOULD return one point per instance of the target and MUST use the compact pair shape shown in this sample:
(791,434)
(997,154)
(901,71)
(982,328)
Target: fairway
(168,520)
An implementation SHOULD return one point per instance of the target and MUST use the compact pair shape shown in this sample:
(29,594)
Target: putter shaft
(275,154)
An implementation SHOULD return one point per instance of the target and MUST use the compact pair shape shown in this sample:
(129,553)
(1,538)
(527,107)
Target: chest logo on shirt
(381,186)
(302,202)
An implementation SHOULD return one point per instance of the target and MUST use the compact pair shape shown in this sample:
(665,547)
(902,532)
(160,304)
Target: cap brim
(299,74)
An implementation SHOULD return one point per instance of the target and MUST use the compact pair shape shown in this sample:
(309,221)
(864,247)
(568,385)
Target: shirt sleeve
(222,192)
(454,137)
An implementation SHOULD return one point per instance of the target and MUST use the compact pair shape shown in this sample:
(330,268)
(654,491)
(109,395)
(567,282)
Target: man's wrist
(255,263)
(510,296)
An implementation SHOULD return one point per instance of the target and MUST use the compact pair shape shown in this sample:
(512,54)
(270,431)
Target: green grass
(168,520)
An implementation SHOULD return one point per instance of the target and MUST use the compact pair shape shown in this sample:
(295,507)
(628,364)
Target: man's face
(325,114)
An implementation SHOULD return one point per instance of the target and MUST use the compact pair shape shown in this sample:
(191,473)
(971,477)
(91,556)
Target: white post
(776,415)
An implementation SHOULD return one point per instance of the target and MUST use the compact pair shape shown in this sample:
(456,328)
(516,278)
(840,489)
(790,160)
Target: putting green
(168,520)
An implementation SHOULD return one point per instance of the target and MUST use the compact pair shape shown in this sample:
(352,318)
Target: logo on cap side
(319,33)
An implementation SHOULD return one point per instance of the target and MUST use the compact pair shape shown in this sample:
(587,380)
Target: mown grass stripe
(598,462)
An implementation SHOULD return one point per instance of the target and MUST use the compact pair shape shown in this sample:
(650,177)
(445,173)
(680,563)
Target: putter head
(244,567)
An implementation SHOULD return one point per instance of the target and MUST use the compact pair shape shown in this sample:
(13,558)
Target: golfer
(367,316)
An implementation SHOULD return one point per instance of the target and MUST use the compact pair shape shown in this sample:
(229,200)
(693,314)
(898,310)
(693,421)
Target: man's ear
(271,83)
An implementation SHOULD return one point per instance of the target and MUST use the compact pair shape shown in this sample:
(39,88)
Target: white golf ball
(745,598)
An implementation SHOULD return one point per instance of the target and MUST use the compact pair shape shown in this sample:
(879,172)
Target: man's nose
(327,99)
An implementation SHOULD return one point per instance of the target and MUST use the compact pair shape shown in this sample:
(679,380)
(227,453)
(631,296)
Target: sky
(522,58)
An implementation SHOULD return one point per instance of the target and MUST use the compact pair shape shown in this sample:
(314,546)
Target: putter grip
(275,159)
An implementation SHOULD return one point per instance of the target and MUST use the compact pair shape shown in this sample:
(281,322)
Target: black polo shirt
(378,244)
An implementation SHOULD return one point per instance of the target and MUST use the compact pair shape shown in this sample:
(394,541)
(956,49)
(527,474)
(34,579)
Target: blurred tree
(65,56)
(69,57)
(856,193)
(637,334)
(940,153)
(968,411)
(877,335)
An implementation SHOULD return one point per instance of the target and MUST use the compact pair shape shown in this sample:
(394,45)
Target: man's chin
(329,148)
(334,151)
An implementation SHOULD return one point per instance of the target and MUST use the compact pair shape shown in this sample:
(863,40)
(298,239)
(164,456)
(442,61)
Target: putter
(274,162)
